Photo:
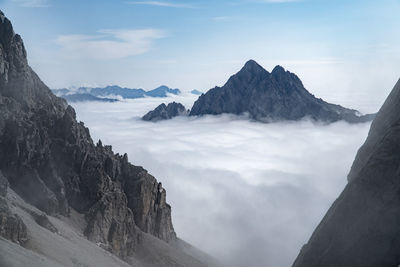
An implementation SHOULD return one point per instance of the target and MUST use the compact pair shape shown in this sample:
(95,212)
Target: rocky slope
(165,112)
(279,95)
(362,226)
(49,160)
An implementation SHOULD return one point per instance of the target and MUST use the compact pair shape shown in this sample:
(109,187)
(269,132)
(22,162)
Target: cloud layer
(250,194)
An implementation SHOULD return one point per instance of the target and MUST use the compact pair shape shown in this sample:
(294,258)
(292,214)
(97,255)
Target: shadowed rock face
(279,95)
(163,112)
(50,160)
(362,228)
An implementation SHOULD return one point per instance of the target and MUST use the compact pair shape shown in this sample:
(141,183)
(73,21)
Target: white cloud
(32,3)
(109,44)
(248,193)
(160,3)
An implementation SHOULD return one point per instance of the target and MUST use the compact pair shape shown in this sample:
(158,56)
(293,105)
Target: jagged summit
(252,66)
(275,96)
(279,71)
(6,31)
(250,71)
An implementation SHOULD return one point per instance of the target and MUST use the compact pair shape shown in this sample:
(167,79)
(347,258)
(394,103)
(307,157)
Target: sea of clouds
(247,193)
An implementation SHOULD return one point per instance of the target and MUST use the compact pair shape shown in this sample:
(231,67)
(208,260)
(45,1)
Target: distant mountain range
(111,93)
(87,97)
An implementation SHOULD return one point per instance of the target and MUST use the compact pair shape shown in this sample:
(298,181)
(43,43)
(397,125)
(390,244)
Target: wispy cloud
(32,3)
(160,4)
(109,44)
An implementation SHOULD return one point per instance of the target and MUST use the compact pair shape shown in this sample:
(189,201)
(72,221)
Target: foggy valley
(238,189)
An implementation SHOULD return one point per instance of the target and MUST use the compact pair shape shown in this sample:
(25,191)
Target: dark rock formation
(279,95)
(163,112)
(362,226)
(50,160)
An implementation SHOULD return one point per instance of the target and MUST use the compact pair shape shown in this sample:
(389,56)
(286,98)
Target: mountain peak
(265,96)
(278,70)
(6,32)
(252,66)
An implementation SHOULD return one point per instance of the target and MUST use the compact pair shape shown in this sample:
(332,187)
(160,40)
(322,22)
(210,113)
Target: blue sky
(340,49)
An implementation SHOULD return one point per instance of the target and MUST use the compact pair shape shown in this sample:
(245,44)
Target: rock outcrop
(50,160)
(362,226)
(275,96)
(166,112)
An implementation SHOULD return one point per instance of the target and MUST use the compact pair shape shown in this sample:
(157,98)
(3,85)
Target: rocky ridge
(49,159)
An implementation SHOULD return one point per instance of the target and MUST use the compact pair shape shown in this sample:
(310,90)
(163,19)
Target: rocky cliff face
(163,112)
(50,160)
(362,226)
(279,95)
